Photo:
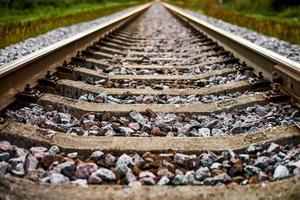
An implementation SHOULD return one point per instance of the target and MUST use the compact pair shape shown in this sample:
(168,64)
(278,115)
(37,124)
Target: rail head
(30,68)
(256,56)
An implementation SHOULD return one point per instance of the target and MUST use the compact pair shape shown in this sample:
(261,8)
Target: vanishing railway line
(154,98)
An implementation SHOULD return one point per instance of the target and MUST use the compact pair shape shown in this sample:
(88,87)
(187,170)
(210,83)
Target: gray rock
(202,173)
(295,114)
(37,150)
(244,157)
(212,124)
(21,154)
(103,96)
(163,180)
(138,117)
(276,158)
(190,175)
(164,172)
(230,154)
(272,147)
(121,170)
(65,118)
(180,158)
(251,170)
(260,110)
(137,160)
(281,154)
(3,168)
(5,156)
(251,149)
(263,162)
(72,155)
(55,178)
(281,172)
(130,177)
(84,170)
(66,168)
(31,163)
(54,150)
(90,97)
(96,155)
(147,181)
(147,173)
(135,184)
(204,132)
(18,169)
(94,179)
(110,133)
(80,182)
(296,171)
(236,130)
(221,178)
(110,160)
(217,132)
(180,179)
(83,97)
(194,133)
(125,159)
(5,146)
(206,160)
(216,165)
(126,131)
(106,174)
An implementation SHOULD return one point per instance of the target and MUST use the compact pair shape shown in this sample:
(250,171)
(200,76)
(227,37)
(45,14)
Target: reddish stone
(85,170)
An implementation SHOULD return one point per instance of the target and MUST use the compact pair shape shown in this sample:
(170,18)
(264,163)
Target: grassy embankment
(19,22)
(275,18)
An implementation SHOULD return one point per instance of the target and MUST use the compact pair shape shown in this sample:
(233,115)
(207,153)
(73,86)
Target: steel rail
(272,65)
(64,97)
(30,68)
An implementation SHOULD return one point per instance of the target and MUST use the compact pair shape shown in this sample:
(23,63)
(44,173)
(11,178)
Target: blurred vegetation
(261,5)
(31,4)
(277,18)
(22,19)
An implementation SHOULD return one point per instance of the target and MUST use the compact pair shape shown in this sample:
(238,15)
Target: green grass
(283,22)
(18,25)
(290,16)
(21,16)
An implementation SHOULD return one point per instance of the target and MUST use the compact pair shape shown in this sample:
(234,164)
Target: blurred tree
(280,4)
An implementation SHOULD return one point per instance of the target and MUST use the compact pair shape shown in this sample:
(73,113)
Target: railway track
(156,100)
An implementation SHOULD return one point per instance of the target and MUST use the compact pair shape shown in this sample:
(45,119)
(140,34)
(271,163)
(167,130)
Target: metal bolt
(276,87)
(27,87)
(260,75)
(2,120)
(48,75)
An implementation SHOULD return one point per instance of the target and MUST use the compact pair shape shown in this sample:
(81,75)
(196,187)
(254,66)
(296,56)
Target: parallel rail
(112,47)
(30,68)
(261,59)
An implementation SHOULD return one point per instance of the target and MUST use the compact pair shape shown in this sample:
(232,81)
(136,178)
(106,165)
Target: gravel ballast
(34,44)
(254,166)
(151,124)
